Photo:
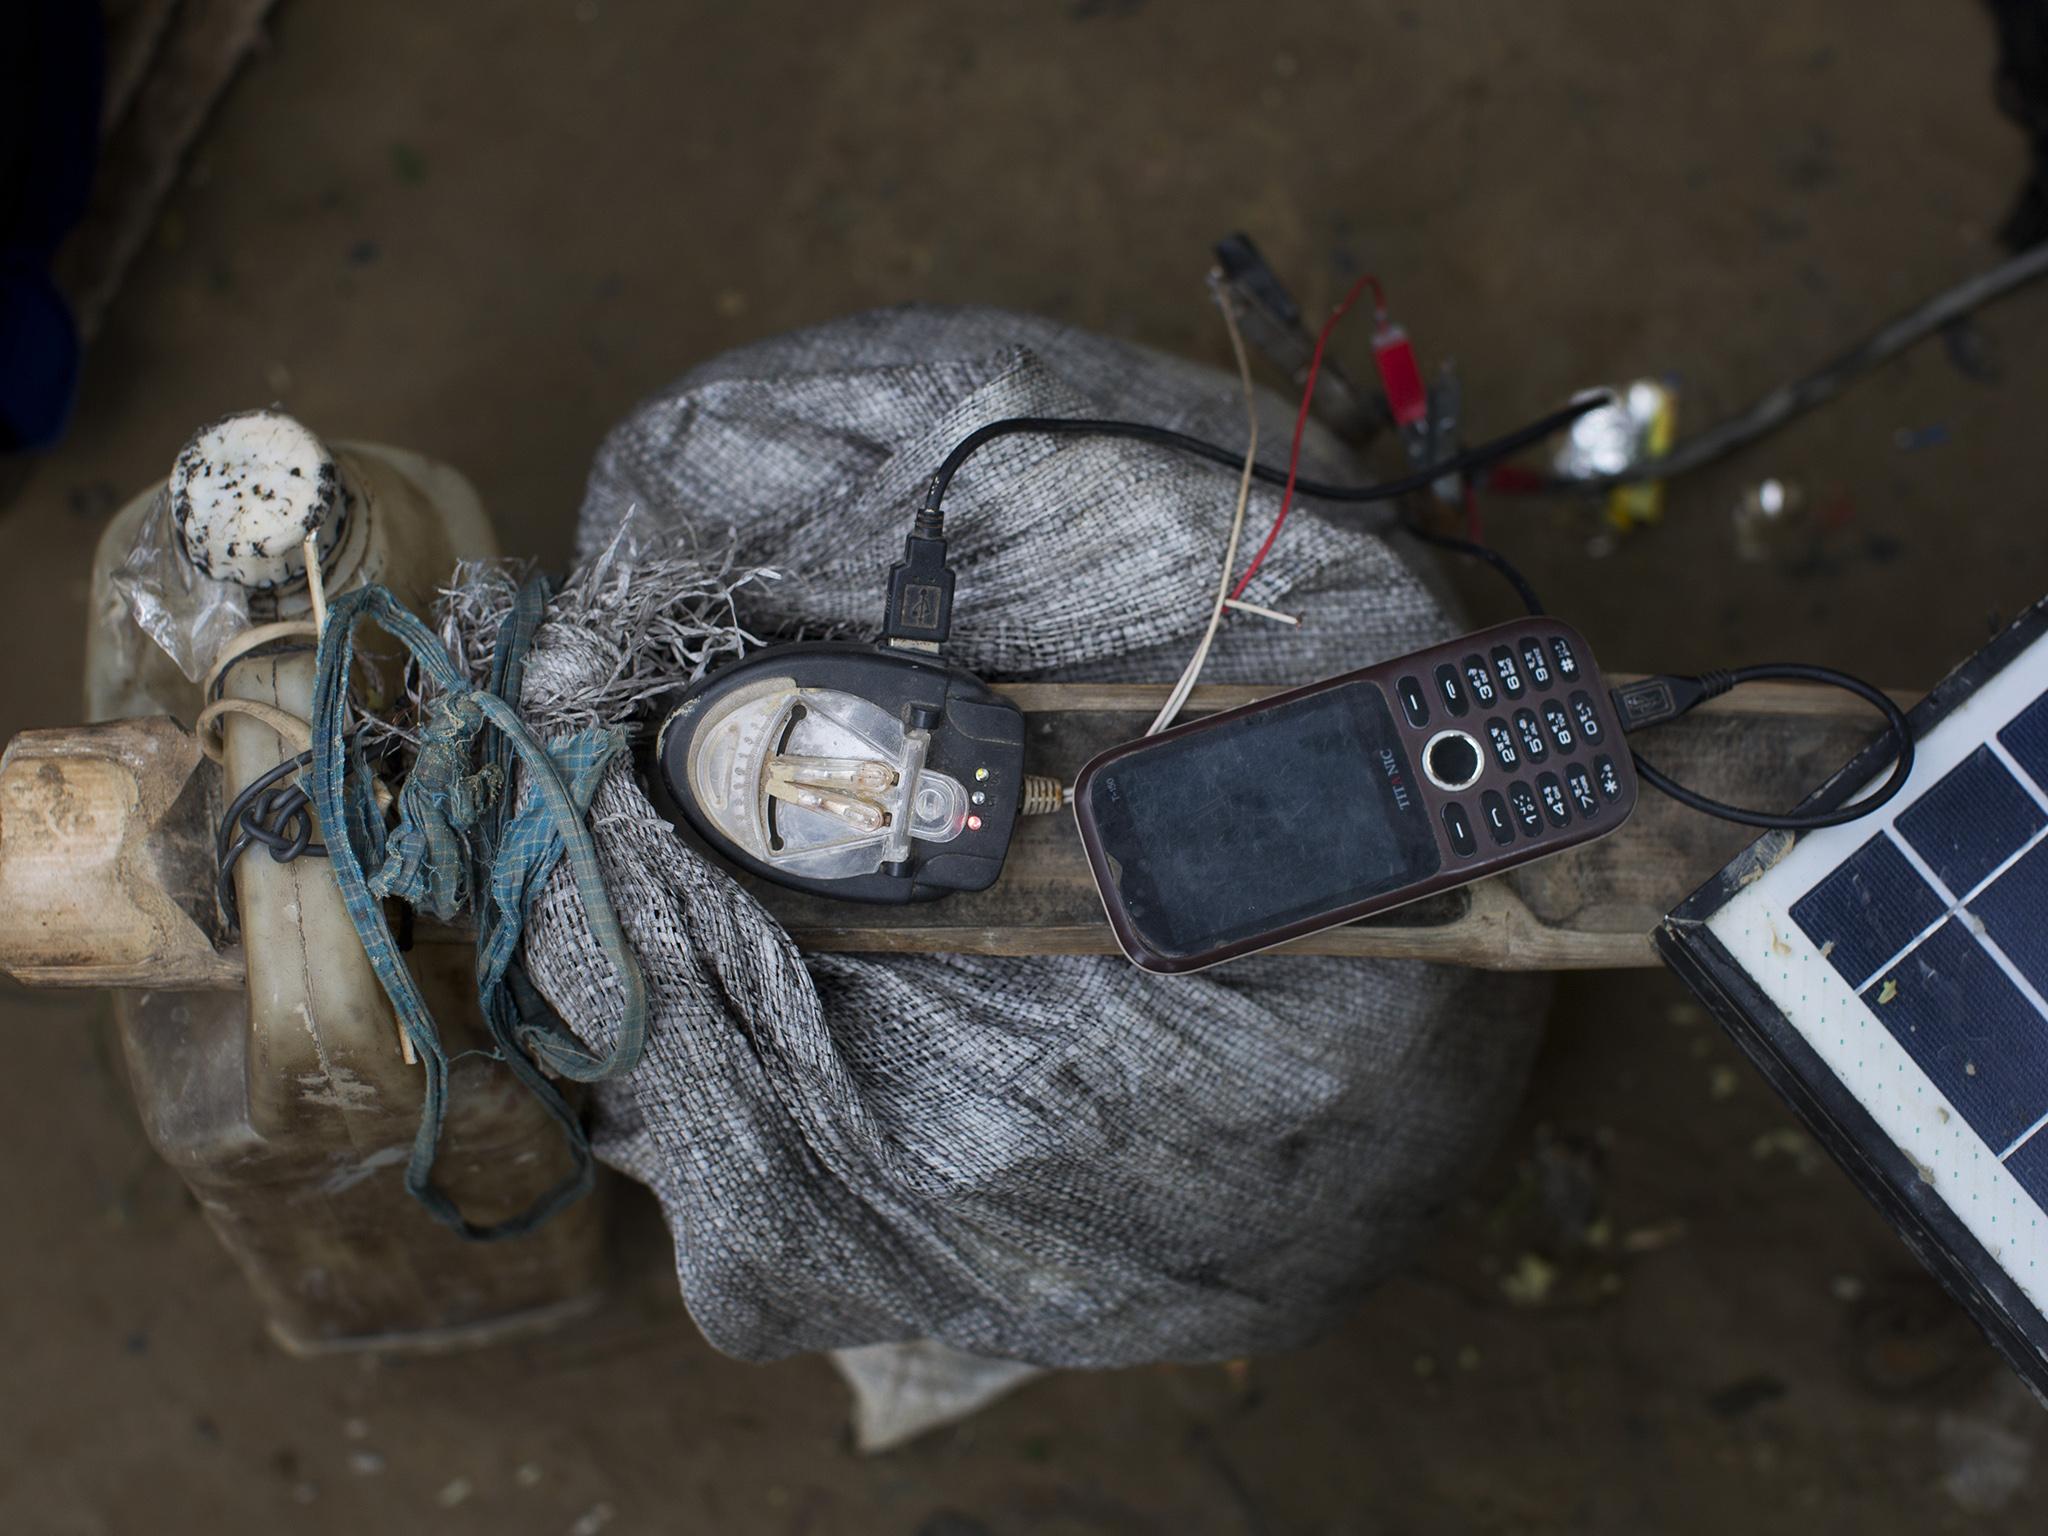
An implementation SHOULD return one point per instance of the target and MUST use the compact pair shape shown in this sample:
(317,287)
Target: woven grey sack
(1063,1161)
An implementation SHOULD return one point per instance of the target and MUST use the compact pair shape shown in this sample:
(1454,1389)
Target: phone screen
(1233,830)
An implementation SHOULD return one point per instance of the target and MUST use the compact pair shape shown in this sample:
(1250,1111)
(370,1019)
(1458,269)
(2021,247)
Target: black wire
(279,817)
(931,523)
(272,835)
(1792,671)
(1796,821)
(1493,557)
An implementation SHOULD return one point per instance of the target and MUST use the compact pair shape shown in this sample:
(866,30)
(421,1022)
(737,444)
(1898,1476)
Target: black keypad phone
(1329,803)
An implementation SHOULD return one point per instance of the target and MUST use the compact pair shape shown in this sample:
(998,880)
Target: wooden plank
(1145,698)
(142,870)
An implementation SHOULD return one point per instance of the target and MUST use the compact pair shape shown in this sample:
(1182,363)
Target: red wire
(1308,394)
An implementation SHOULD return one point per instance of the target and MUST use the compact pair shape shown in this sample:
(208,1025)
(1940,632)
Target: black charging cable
(1654,700)
(931,519)
(920,608)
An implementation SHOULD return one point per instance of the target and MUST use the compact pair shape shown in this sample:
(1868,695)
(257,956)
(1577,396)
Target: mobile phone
(1329,803)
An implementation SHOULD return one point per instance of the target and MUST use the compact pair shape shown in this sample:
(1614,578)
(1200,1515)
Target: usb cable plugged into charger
(920,613)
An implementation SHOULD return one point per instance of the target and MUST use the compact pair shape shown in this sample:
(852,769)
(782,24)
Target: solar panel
(1890,976)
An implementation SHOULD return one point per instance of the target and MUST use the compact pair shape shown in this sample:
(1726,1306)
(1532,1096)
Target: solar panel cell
(1968,822)
(2026,738)
(1970,1030)
(2014,910)
(1869,909)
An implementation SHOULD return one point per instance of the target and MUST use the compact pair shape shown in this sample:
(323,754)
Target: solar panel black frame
(1836,1118)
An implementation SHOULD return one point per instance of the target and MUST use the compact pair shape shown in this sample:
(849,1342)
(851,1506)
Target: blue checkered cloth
(458,845)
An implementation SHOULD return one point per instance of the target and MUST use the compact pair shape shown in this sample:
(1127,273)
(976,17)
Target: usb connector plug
(1653,700)
(920,614)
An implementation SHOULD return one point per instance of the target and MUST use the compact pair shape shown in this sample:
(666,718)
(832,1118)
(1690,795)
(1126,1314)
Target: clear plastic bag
(188,614)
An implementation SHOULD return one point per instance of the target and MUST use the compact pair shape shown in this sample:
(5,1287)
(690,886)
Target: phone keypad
(1479,677)
(1546,738)
(1459,829)
(1588,718)
(1610,782)
(1510,674)
(1581,785)
(1560,725)
(1523,799)
(1503,741)
(1494,812)
(1450,687)
(1549,771)
(1414,702)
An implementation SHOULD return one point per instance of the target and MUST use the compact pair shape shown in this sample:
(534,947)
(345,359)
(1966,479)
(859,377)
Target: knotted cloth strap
(455,840)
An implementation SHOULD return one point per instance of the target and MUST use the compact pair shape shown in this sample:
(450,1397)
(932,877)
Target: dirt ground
(484,230)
